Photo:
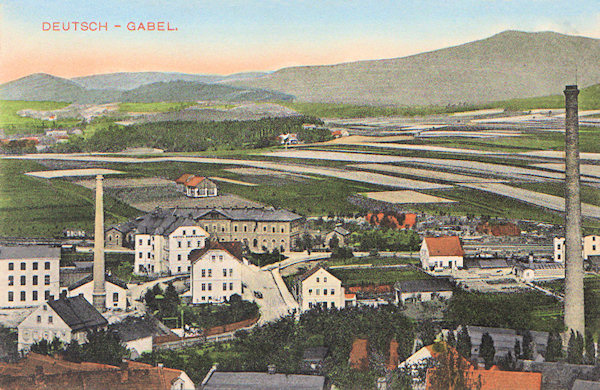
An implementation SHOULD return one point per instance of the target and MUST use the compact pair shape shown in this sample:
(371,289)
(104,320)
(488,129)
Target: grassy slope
(154,107)
(34,207)
(12,123)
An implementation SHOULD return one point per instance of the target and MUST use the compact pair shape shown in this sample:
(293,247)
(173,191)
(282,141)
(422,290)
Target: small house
(535,272)
(441,253)
(340,233)
(318,287)
(423,290)
(116,291)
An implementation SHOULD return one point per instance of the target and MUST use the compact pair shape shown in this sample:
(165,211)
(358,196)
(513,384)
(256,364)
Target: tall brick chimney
(574,305)
(99,293)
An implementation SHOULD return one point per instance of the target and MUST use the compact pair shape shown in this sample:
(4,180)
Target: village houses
(30,274)
(217,272)
(196,186)
(441,253)
(318,287)
(591,247)
(68,319)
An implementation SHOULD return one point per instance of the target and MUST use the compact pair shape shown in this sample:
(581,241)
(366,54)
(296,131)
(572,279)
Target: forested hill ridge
(509,65)
(45,87)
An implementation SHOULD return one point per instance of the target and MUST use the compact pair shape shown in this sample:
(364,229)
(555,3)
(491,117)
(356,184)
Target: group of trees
(193,136)
(386,240)
(580,350)
(101,347)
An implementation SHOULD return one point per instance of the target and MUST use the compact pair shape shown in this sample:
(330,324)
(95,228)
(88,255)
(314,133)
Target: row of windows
(179,269)
(321,304)
(23,296)
(23,280)
(50,319)
(324,279)
(208,271)
(318,291)
(208,287)
(34,266)
(189,244)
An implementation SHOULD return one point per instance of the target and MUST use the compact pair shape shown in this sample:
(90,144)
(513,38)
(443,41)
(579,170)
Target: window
(184,232)
(50,319)
(309,291)
(223,229)
(179,257)
(558,247)
(235,228)
(140,241)
(264,228)
(11,266)
(189,244)
(178,244)
(39,319)
(148,241)
(46,280)
(282,230)
(209,286)
(317,280)
(245,228)
(149,255)
(23,266)
(230,272)
(189,267)
(178,269)
(47,265)
(34,295)
(324,291)
(273,229)
(224,272)
(213,257)
(224,286)
(209,272)
(558,256)
(231,286)
(203,273)
(194,232)
(199,243)
(23,298)
(35,265)
(140,254)
(325,279)
(593,247)
(220,257)
(23,280)
(116,297)
(203,286)
(11,296)
(47,295)
(317,291)
(332,292)
(11,280)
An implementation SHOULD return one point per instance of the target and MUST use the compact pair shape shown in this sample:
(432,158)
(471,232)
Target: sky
(229,36)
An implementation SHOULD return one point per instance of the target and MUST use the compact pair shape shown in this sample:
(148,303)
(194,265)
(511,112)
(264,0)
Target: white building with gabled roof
(318,287)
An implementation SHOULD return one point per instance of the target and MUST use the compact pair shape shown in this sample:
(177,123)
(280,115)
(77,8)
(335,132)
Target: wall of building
(140,345)
(42,324)
(215,277)
(111,289)
(424,296)
(180,243)
(312,291)
(38,284)
(591,247)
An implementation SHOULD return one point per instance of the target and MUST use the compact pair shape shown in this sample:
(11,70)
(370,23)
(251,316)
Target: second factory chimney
(574,305)
(99,292)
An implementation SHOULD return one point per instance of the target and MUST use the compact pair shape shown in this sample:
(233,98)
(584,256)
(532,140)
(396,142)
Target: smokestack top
(571,87)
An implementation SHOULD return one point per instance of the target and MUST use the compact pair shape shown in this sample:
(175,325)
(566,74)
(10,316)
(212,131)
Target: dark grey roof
(29,252)
(561,376)
(315,353)
(341,231)
(504,339)
(263,381)
(535,266)
(424,285)
(78,313)
(109,278)
(135,328)
(164,221)
(585,385)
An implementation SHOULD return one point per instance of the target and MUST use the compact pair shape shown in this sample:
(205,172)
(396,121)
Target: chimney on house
(99,293)
(574,315)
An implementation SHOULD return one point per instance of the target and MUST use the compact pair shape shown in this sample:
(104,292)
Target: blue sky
(233,35)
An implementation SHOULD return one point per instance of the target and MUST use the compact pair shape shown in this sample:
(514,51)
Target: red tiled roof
(394,358)
(444,246)
(359,357)
(234,248)
(498,380)
(194,181)
(50,365)
(184,178)
(349,296)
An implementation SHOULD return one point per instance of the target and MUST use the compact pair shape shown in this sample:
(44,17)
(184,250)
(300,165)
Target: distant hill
(124,81)
(190,91)
(508,65)
(39,86)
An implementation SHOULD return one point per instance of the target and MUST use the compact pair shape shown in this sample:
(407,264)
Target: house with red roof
(196,186)
(441,253)
(216,271)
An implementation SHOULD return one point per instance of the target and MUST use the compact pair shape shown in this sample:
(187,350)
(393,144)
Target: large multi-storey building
(29,275)
(216,272)
(591,247)
(164,237)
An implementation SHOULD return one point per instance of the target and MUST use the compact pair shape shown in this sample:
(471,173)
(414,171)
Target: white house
(162,245)
(137,333)
(423,290)
(196,186)
(591,247)
(29,275)
(116,291)
(217,272)
(534,272)
(441,253)
(318,287)
(67,319)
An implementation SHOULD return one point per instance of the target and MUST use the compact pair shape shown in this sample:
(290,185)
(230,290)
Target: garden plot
(127,183)
(405,197)
(586,169)
(221,201)
(551,202)
(425,173)
(73,172)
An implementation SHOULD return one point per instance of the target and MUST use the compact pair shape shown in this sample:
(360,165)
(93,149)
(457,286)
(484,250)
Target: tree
(428,332)
(43,347)
(463,342)
(527,346)
(334,242)
(73,352)
(452,372)
(517,349)
(104,347)
(508,362)
(451,339)
(575,348)
(487,350)
(590,349)
(554,350)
